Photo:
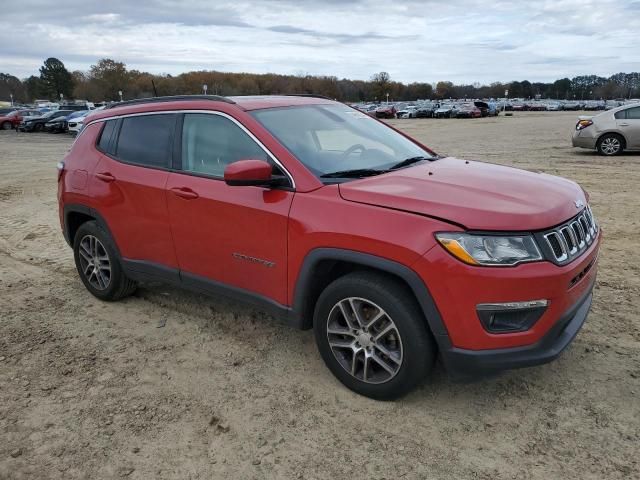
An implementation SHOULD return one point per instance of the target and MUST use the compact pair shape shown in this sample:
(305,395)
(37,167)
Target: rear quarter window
(104,142)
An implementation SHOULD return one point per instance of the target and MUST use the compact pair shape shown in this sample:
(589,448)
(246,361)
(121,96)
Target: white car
(409,112)
(75,124)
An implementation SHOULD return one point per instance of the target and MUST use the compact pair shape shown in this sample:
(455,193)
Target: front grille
(569,240)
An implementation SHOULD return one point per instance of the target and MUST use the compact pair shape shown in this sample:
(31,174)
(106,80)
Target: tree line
(107,78)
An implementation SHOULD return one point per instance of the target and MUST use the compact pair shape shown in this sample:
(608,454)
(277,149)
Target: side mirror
(249,173)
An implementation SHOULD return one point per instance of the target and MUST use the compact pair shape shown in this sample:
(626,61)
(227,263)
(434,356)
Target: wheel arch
(77,214)
(323,265)
(613,132)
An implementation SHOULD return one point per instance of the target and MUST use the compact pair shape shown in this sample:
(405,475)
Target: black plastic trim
(79,208)
(141,270)
(207,286)
(417,285)
(171,98)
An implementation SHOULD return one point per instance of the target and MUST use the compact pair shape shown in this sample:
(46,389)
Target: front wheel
(372,335)
(610,145)
(6,125)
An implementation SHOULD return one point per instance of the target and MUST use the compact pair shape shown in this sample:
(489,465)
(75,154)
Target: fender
(413,280)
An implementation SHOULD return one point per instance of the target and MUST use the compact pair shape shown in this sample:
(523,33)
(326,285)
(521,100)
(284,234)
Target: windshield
(334,138)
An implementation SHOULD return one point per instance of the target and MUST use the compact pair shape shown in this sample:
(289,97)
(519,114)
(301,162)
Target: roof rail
(170,98)
(312,95)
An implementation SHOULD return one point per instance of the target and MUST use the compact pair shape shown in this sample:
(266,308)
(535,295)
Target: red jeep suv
(333,220)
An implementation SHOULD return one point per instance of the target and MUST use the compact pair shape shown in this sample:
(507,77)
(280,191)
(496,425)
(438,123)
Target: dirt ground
(168,384)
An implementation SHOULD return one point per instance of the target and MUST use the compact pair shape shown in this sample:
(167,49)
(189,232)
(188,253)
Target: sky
(464,41)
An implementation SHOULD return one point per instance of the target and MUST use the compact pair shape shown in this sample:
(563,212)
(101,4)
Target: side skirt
(147,271)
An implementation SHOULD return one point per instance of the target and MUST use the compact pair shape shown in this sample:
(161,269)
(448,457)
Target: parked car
(571,106)
(536,107)
(445,111)
(481,273)
(485,109)
(37,124)
(13,119)
(409,112)
(77,107)
(610,132)
(554,106)
(386,111)
(468,110)
(426,110)
(61,124)
(5,111)
(74,125)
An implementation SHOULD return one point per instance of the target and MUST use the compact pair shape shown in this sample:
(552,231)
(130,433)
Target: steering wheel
(352,149)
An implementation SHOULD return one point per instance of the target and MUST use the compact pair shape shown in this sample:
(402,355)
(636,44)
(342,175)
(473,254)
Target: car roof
(207,102)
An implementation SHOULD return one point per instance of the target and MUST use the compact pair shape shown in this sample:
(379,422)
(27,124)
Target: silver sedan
(610,132)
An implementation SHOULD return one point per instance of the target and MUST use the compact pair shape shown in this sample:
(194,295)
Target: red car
(386,111)
(468,110)
(13,119)
(332,220)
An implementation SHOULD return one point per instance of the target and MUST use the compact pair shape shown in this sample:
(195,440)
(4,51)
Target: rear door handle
(105,177)
(184,192)
(623,124)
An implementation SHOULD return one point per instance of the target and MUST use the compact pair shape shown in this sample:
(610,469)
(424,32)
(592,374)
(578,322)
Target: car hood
(476,195)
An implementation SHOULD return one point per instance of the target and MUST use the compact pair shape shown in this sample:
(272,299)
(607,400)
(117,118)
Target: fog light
(510,316)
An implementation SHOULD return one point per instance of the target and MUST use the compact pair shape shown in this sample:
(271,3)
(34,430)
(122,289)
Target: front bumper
(463,363)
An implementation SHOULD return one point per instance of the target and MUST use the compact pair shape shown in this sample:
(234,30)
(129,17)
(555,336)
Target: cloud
(430,40)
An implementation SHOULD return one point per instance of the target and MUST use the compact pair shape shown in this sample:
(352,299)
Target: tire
(108,282)
(407,348)
(610,144)
(38,127)
(6,126)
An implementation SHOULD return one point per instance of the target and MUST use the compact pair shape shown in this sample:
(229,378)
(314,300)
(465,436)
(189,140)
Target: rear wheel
(610,144)
(6,125)
(98,264)
(372,335)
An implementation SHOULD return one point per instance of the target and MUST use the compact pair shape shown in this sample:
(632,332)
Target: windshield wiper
(355,173)
(409,161)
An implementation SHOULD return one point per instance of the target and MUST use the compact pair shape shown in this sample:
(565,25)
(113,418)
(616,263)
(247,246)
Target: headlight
(490,249)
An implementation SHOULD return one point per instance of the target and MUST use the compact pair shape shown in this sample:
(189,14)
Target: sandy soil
(168,384)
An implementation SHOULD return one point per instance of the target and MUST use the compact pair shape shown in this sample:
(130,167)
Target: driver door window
(211,142)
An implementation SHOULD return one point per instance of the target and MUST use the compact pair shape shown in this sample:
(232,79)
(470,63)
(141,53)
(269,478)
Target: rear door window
(146,140)
(633,113)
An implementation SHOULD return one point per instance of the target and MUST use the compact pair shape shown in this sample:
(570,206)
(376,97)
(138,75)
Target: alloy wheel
(364,340)
(94,262)
(610,145)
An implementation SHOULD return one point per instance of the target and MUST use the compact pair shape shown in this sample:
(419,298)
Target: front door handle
(623,124)
(105,177)
(184,192)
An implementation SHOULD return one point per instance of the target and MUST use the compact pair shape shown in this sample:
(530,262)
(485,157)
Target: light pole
(387,99)
(11,95)
(204,88)
(120,94)
(61,97)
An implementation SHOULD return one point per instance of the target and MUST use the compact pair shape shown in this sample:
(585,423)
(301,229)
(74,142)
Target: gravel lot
(168,384)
